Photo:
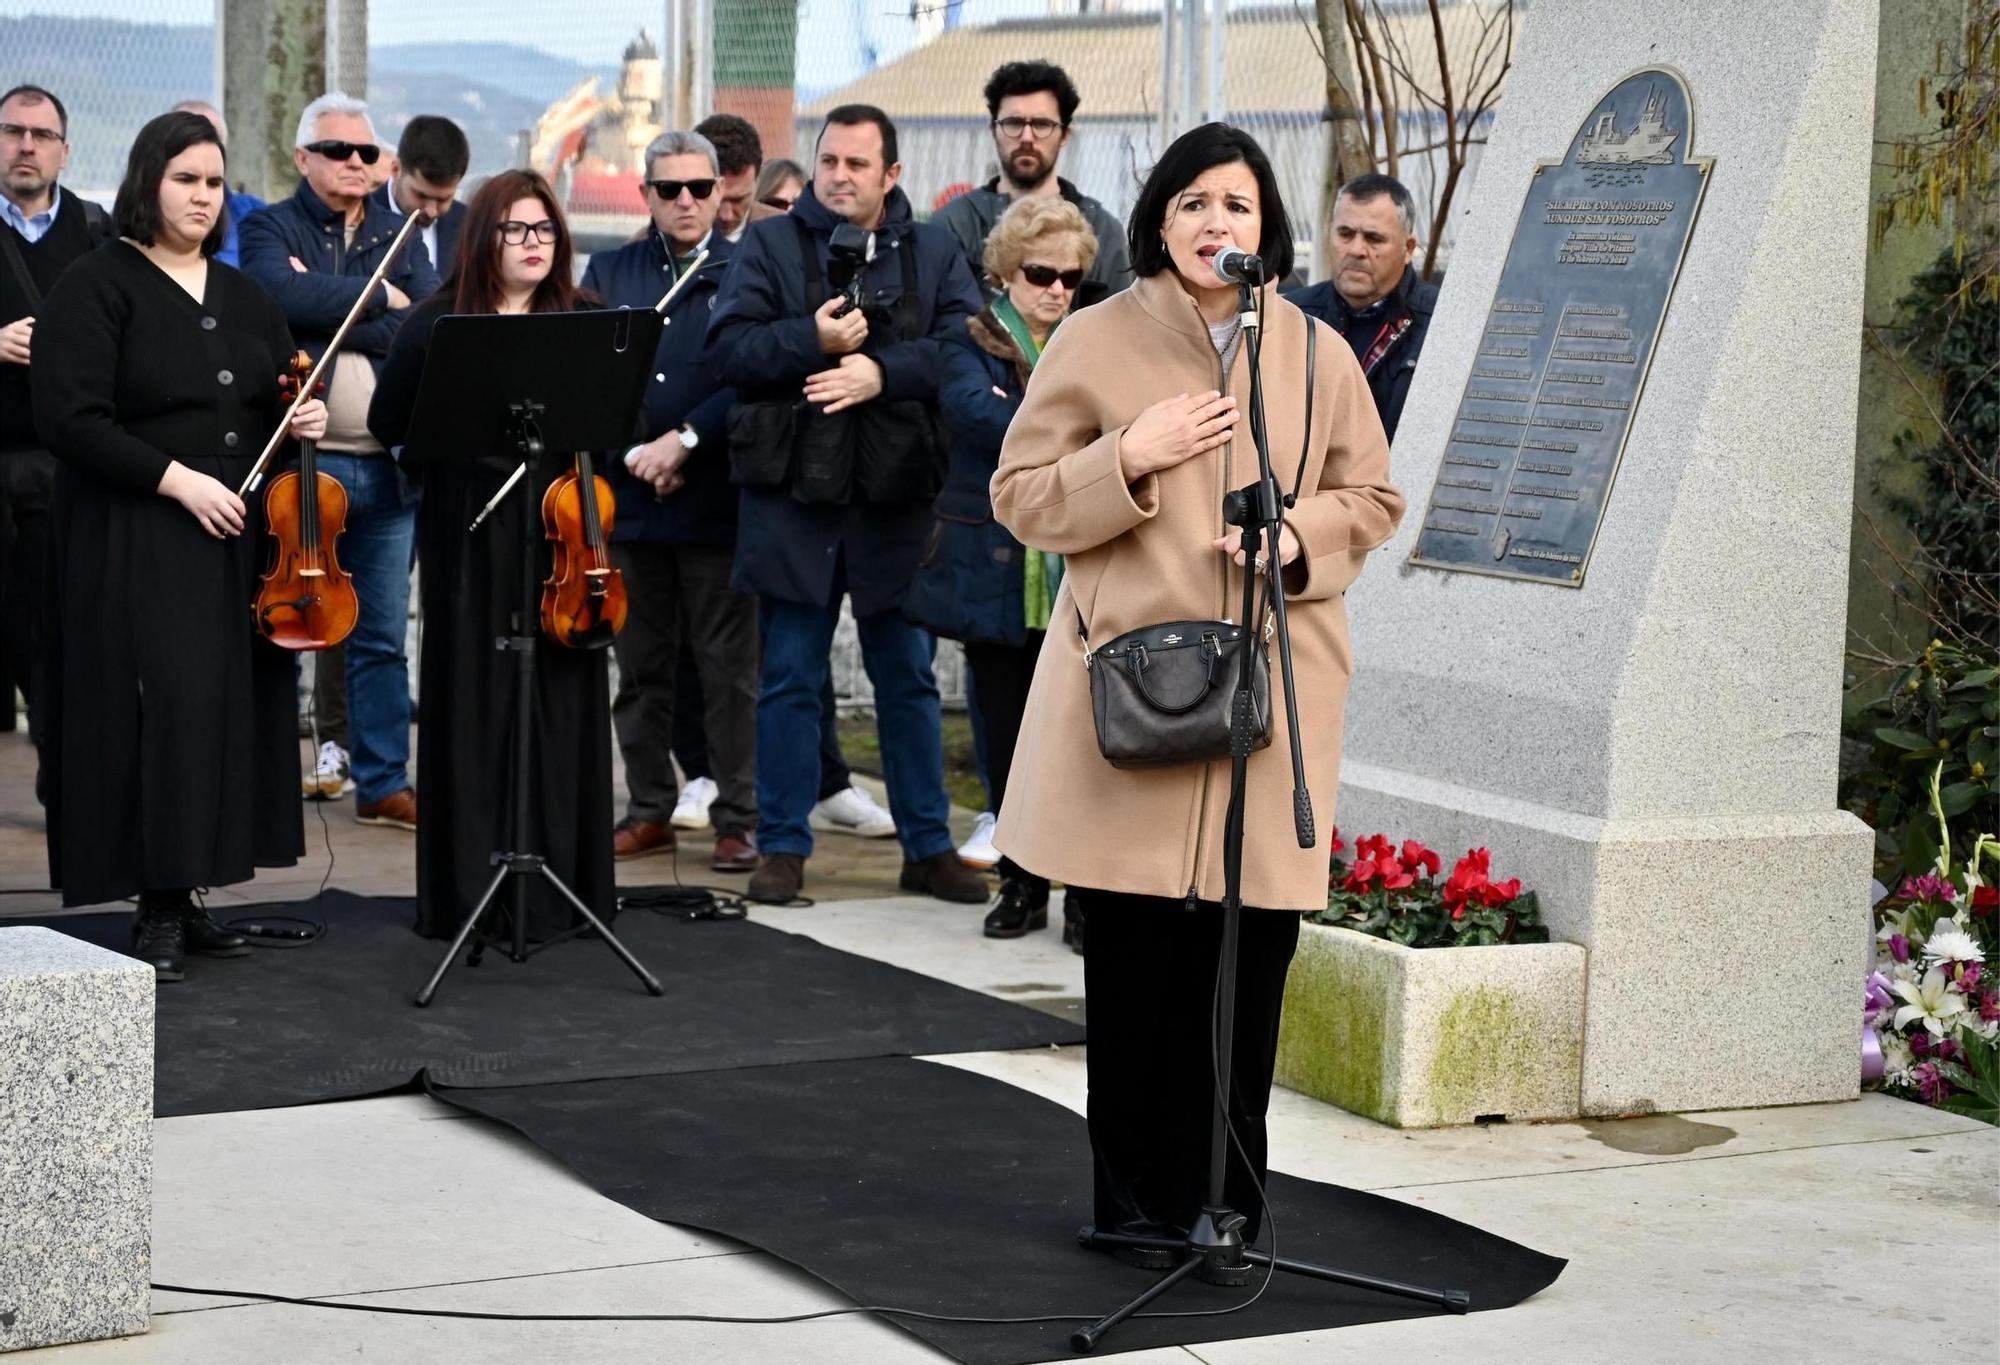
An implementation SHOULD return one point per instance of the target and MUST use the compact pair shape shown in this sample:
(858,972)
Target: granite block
(76,1140)
(1426,1038)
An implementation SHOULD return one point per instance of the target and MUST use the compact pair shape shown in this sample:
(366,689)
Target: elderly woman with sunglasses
(977,583)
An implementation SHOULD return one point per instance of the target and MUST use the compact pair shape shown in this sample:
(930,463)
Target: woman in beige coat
(1119,459)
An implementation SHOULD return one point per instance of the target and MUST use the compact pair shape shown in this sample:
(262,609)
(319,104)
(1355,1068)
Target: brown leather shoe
(398,810)
(637,838)
(778,879)
(942,875)
(735,853)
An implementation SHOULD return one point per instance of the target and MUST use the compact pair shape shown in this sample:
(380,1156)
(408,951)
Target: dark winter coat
(971,217)
(763,342)
(316,300)
(703,510)
(78,228)
(970,583)
(1389,380)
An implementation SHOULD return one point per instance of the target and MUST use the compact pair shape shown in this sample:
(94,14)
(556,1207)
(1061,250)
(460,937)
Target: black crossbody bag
(1161,694)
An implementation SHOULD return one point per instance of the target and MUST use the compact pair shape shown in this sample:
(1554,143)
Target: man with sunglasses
(46,228)
(675,536)
(314,253)
(1029,106)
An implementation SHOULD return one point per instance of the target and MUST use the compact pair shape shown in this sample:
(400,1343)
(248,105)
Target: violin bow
(256,475)
(521,469)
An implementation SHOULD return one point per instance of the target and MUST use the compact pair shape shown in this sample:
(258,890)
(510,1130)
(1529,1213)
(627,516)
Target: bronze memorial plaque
(1543,420)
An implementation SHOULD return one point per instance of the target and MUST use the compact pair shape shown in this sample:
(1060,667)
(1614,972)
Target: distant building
(592,146)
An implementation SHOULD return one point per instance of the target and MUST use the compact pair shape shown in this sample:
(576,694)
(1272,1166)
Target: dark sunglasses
(1042,276)
(670,190)
(340,151)
(778,201)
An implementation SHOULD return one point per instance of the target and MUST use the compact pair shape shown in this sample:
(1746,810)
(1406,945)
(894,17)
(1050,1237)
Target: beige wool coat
(1141,553)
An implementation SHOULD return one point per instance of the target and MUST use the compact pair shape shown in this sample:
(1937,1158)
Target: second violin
(583,599)
(306,601)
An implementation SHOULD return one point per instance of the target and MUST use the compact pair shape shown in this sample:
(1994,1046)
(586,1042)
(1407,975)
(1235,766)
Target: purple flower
(1930,1085)
(1920,1043)
(1928,887)
(1968,977)
(1899,948)
(1950,1050)
(1989,1007)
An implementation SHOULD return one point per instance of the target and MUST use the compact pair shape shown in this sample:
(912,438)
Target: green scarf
(1043,572)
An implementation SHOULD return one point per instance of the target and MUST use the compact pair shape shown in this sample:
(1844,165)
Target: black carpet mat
(917,1185)
(333,1019)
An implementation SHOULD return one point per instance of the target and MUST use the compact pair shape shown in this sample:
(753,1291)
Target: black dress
(465,709)
(172,754)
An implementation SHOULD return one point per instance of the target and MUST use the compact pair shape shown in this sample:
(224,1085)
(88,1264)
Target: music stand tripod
(1214,1248)
(569,380)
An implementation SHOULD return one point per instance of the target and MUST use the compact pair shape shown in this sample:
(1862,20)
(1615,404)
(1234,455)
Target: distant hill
(113,76)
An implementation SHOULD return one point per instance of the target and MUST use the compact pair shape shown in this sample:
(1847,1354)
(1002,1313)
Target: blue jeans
(375,550)
(797,641)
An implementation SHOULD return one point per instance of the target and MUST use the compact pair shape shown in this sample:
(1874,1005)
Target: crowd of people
(737,540)
(1010,425)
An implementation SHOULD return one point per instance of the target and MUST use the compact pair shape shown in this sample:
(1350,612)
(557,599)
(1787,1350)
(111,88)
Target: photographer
(835,447)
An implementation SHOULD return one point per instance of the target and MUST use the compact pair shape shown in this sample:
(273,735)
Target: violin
(583,598)
(306,601)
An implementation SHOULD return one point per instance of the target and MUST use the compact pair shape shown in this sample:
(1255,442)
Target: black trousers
(691,742)
(1149,969)
(1000,678)
(27,487)
(683,614)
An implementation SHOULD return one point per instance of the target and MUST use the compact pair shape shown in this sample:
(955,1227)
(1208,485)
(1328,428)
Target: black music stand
(494,384)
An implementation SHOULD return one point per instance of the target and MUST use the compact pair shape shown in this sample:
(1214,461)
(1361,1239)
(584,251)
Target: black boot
(208,938)
(159,938)
(1023,907)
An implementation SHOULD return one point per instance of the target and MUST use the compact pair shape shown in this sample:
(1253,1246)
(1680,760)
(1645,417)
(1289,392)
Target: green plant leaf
(1981,1099)
(1902,739)
(1959,797)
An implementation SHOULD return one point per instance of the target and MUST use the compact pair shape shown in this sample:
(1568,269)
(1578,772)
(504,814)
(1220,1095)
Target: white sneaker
(691,811)
(852,812)
(329,779)
(978,851)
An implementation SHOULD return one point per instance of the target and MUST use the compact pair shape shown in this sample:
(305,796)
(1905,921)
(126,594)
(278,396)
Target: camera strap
(905,248)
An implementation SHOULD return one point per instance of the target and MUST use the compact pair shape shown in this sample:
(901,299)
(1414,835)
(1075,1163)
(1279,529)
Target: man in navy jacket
(431,159)
(314,252)
(675,533)
(777,344)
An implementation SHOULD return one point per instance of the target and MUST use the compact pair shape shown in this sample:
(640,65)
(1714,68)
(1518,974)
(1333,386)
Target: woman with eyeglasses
(514,257)
(977,583)
(172,746)
(780,184)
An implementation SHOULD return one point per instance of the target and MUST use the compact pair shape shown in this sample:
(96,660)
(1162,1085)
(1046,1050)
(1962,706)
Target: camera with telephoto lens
(850,250)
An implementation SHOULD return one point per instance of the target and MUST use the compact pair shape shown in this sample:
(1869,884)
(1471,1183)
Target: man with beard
(1030,106)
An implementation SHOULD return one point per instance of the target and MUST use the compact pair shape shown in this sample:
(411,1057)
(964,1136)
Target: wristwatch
(690,438)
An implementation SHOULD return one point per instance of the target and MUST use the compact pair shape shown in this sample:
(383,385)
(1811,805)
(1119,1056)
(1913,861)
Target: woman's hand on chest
(1174,430)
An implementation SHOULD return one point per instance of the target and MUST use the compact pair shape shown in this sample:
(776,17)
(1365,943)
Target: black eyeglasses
(341,151)
(514,232)
(670,190)
(1042,276)
(20,132)
(1040,127)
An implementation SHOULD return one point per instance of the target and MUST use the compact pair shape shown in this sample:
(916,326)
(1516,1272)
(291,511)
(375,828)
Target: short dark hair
(1374,185)
(1025,78)
(36,94)
(737,146)
(849,115)
(136,211)
(435,148)
(1195,151)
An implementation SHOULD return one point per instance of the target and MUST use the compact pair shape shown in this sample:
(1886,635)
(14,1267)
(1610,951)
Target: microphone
(1234,265)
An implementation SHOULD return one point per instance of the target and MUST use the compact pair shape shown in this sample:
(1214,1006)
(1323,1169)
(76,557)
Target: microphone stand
(1214,1249)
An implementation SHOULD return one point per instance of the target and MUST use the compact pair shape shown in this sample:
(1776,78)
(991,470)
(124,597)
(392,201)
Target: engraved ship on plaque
(1649,143)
